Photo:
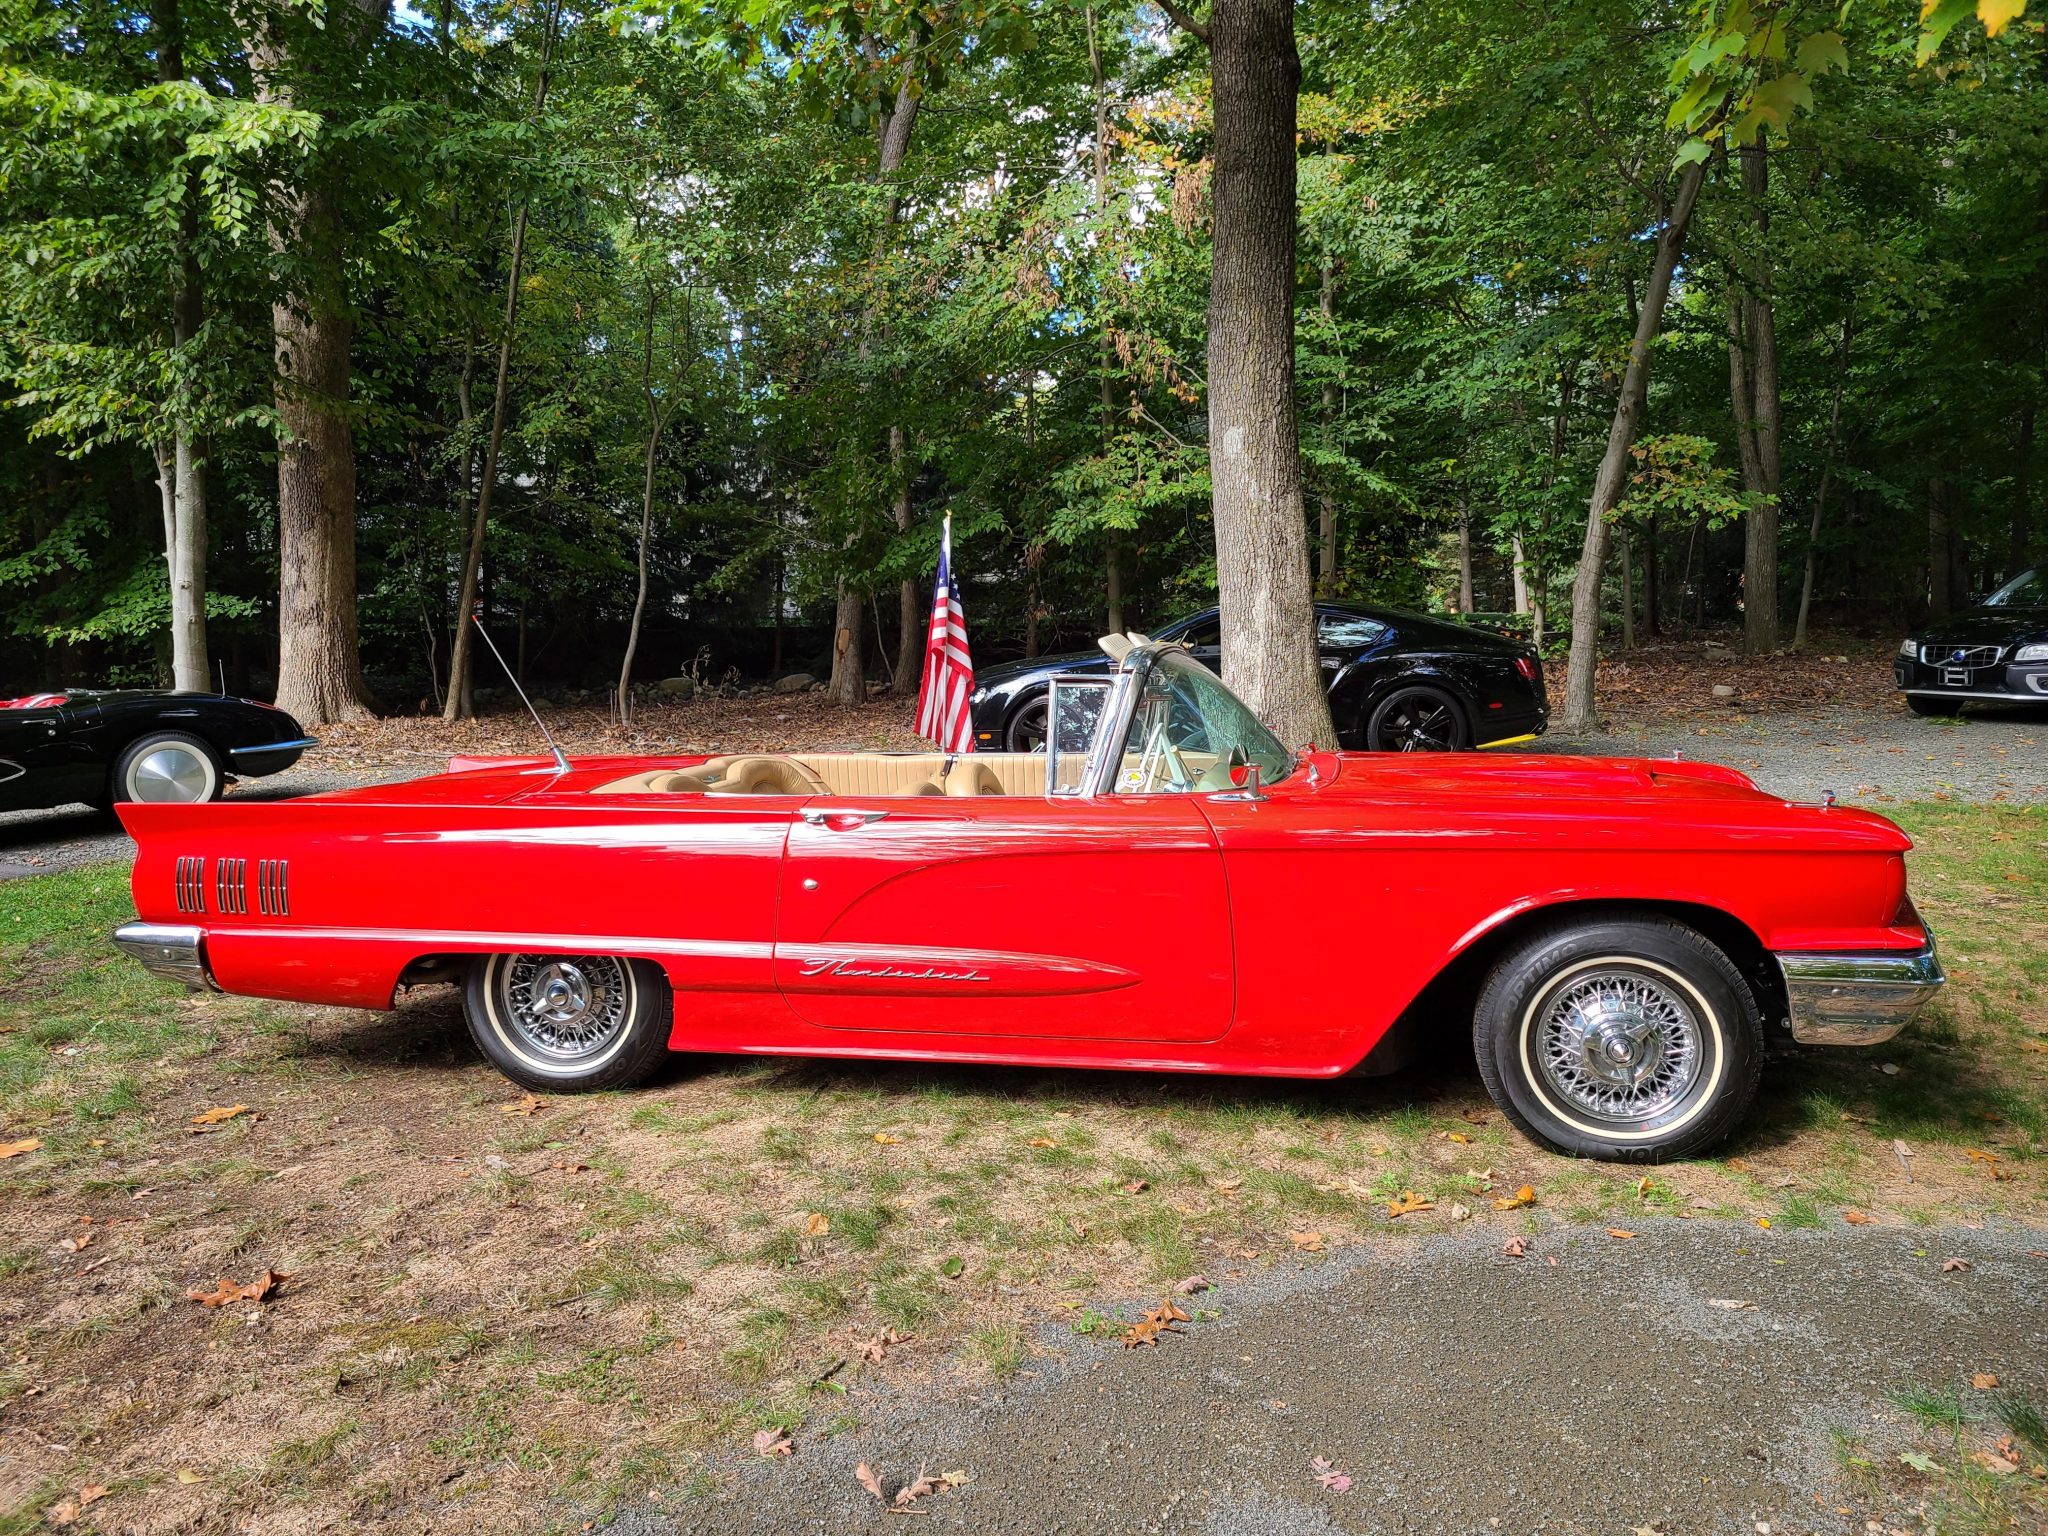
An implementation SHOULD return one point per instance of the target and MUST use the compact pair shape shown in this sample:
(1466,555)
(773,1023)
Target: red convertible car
(1165,887)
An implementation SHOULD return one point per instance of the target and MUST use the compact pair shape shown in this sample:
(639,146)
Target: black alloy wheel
(1417,719)
(1027,726)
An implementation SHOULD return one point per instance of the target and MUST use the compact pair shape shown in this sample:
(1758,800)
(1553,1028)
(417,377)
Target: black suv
(1995,653)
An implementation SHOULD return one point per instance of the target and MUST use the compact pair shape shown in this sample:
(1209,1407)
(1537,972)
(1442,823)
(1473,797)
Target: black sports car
(1399,682)
(1996,652)
(100,747)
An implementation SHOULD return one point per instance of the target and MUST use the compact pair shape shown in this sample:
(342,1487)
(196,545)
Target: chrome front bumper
(176,952)
(1858,997)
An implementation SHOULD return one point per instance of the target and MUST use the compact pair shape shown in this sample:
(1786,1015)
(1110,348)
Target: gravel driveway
(1863,755)
(1464,1391)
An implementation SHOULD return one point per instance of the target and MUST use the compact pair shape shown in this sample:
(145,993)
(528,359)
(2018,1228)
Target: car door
(38,765)
(1057,917)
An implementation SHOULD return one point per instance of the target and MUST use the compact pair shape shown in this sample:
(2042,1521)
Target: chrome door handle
(840,821)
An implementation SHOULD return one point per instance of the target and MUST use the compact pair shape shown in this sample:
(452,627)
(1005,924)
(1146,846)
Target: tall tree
(319,669)
(1753,387)
(1262,571)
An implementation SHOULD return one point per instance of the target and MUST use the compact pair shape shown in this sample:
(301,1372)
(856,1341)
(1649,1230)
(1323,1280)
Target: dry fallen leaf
(188,1477)
(1731,1305)
(874,1349)
(1137,1186)
(1856,1218)
(525,1104)
(1764,1222)
(865,1476)
(1984,1381)
(1043,1141)
(76,1244)
(1327,1475)
(1955,1266)
(16,1148)
(883,1138)
(1461,1138)
(816,1223)
(925,1484)
(1160,1319)
(1643,1187)
(1307,1242)
(1976,1155)
(1521,1197)
(1194,1285)
(1516,1247)
(219,1113)
(1619,1232)
(1737,1165)
(772,1442)
(1991,1461)
(1460,1212)
(225,1291)
(1409,1203)
(1226,1186)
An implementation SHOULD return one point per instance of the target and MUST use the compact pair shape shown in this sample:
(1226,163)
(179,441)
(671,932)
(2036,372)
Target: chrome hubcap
(1619,1045)
(170,772)
(568,1008)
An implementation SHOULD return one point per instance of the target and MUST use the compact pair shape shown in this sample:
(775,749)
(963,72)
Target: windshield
(2029,589)
(1188,732)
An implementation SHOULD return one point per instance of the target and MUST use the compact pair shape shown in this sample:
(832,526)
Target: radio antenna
(561,762)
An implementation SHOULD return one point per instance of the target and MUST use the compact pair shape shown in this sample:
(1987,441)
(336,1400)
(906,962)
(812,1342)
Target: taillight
(1526,665)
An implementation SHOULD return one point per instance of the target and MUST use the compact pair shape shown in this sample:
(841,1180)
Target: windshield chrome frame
(1099,773)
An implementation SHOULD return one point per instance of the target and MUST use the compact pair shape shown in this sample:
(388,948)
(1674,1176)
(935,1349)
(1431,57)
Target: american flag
(942,712)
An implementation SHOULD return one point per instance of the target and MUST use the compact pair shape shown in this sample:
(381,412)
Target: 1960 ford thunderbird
(1164,887)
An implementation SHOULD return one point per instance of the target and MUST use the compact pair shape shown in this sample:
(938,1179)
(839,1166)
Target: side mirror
(1245,776)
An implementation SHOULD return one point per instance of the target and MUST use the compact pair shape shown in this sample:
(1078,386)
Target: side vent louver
(273,898)
(230,886)
(191,885)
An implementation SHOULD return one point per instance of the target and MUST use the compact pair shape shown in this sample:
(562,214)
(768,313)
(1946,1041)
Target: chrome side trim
(177,953)
(265,749)
(1858,997)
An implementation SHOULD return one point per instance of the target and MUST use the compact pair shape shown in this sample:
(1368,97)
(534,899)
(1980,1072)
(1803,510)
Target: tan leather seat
(968,777)
(767,776)
(931,786)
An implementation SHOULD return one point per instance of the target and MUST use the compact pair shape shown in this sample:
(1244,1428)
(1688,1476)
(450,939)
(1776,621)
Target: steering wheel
(1161,754)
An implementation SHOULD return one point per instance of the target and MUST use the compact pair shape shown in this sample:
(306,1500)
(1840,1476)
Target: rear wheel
(168,766)
(1417,719)
(570,1022)
(1628,1039)
(1933,708)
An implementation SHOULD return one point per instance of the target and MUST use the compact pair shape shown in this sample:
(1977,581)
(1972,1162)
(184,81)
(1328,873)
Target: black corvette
(97,748)
(1399,682)
(1995,653)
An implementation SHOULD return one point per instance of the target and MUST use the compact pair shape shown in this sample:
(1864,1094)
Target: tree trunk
(1262,575)
(1521,573)
(1464,561)
(1820,500)
(1651,624)
(461,695)
(658,413)
(1613,472)
(1112,557)
(1326,522)
(909,603)
(185,500)
(1628,598)
(319,670)
(1753,373)
(2022,496)
(1937,550)
(848,683)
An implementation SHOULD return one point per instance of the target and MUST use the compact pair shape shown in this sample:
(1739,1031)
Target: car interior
(850,773)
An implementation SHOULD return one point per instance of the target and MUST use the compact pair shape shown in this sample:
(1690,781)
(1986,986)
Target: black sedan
(99,747)
(1399,682)
(1995,653)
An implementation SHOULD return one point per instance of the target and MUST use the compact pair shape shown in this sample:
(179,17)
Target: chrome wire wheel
(1619,1045)
(176,772)
(565,1009)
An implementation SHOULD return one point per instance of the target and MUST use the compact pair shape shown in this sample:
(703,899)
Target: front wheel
(1933,708)
(1027,727)
(1627,1039)
(569,1023)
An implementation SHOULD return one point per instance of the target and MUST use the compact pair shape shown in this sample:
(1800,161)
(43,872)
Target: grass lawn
(492,1313)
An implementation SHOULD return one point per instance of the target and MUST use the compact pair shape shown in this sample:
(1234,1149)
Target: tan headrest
(768,776)
(930,786)
(967,777)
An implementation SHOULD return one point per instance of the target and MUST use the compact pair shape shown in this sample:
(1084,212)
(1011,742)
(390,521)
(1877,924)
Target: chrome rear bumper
(1858,997)
(176,952)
